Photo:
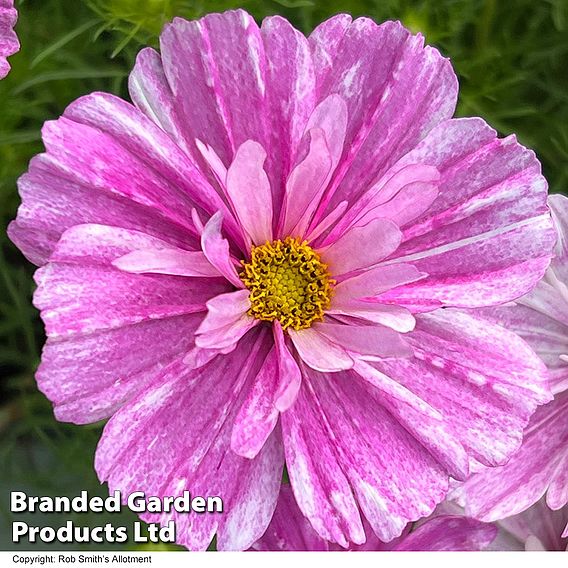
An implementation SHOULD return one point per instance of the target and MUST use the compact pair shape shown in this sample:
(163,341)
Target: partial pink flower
(243,270)
(537,528)
(541,465)
(289,530)
(9,43)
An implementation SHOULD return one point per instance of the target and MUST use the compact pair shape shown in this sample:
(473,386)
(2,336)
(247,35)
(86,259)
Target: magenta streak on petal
(176,436)
(79,291)
(143,139)
(408,76)
(362,247)
(421,420)
(249,191)
(316,473)
(216,250)
(291,96)
(176,262)
(289,374)
(257,416)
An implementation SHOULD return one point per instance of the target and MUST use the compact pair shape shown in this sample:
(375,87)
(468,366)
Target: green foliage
(510,58)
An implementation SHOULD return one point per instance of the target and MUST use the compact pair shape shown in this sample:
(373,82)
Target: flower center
(288,282)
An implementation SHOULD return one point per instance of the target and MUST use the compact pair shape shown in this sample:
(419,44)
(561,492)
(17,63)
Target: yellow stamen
(288,282)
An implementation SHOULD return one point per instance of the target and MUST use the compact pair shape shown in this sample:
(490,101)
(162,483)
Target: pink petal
(235,95)
(559,209)
(258,416)
(214,162)
(142,450)
(501,492)
(9,43)
(420,419)
(389,112)
(450,534)
(290,87)
(43,190)
(394,391)
(121,168)
(79,291)
(397,318)
(249,190)
(88,377)
(255,501)
(330,116)
(484,380)
(557,495)
(319,352)
(225,308)
(327,222)
(409,203)
(322,490)
(375,281)
(374,341)
(226,321)
(172,261)
(487,238)
(198,357)
(151,93)
(544,329)
(402,194)
(289,529)
(362,247)
(226,338)
(340,442)
(216,250)
(289,375)
(305,186)
(308,180)
(219,90)
(129,129)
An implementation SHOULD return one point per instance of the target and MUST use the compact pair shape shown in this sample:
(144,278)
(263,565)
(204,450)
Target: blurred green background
(511,58)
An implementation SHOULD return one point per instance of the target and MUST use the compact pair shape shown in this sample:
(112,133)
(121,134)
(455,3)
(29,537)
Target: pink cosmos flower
(289,530)
(244,269)
(9,43)
(541,465)
(537,528)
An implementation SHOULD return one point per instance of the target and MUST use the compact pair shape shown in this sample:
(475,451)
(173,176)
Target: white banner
(280,559)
